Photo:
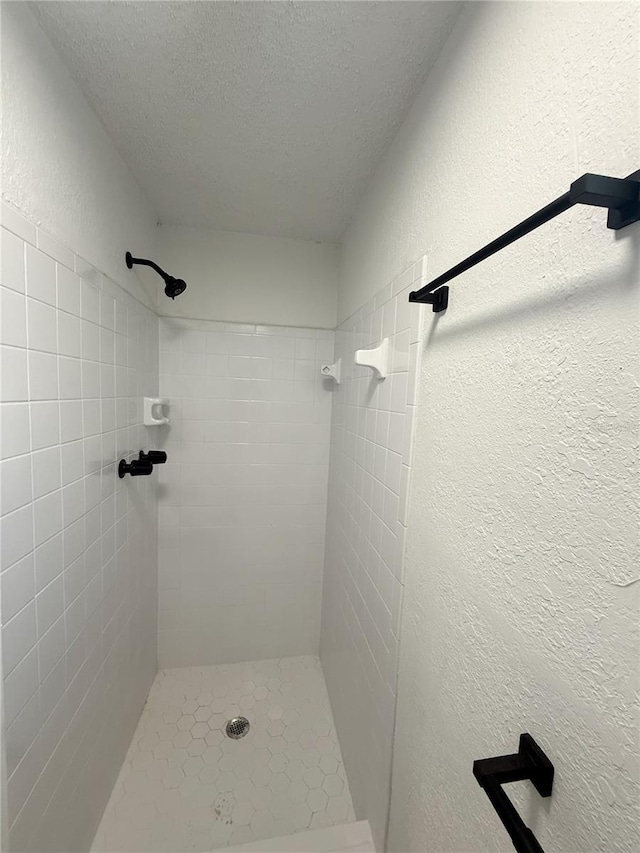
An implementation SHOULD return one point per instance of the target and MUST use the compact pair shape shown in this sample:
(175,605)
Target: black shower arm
(146,263)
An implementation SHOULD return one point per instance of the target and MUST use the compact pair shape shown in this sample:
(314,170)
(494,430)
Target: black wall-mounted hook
(156,457)
(136,468)
(529,762)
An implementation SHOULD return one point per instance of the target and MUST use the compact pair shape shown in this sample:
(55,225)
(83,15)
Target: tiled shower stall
(279,484)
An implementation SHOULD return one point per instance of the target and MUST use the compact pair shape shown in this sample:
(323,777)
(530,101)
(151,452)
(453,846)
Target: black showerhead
(172,286)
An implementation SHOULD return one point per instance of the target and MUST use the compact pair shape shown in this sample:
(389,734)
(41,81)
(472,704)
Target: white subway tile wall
(243,506)
(78,553)
(371,441)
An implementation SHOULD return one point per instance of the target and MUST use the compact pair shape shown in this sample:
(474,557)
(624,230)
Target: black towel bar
(529,762)
(620,195)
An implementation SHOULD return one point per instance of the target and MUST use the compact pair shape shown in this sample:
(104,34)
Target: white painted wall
(521,608)
(248,278)
(59,167)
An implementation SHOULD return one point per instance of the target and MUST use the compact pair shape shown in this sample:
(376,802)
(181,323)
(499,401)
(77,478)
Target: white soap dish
(374,358)
(153,414)
(332,370)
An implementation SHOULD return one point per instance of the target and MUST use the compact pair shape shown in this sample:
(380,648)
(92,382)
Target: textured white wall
(564,105)
(248,278)
(59,168)
(521,608)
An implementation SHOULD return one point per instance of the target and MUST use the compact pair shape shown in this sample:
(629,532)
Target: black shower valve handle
(135,468)
(156,457)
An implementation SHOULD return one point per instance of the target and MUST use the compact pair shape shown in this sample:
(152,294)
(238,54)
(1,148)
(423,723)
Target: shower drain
(237,727)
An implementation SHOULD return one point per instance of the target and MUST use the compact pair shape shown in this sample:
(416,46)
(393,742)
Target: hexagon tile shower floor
(185,786)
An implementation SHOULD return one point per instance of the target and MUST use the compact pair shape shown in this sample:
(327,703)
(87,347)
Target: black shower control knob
(136,468)
(156,457)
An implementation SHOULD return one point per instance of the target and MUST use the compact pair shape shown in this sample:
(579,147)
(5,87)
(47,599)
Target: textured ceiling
(265,117)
